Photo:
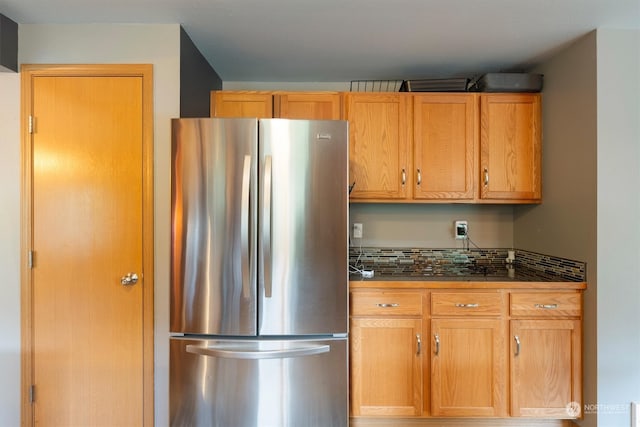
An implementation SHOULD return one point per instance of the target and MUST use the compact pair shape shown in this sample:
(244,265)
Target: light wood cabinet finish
(466,304)
(468,368)
(444,141)
(242,104)
(498,350)
(379,144)
(386,366)
(546,368)
(510,147)
(386,353)
(546,304)
(546,354)
(308,105)
(276,104)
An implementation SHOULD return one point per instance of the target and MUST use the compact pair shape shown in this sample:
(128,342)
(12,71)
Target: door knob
(129,279)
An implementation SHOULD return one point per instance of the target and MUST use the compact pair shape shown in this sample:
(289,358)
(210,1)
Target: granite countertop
(502,273)
(462,265)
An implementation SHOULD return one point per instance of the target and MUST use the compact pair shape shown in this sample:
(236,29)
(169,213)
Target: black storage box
(435,85)
(508,82)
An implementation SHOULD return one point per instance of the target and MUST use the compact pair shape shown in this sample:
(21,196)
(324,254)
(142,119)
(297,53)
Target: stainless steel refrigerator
(258,310)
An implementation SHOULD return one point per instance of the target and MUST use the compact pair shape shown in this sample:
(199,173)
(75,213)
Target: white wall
(618,224)
(83,44)
(10,249)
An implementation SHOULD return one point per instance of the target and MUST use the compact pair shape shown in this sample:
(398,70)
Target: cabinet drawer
(466,304)
(545,304)
(386,303)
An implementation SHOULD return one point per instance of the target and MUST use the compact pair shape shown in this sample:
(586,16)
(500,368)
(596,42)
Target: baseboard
(458,422)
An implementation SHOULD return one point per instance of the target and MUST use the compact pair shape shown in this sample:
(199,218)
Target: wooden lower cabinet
(494,354)
(468,368)
(386,363)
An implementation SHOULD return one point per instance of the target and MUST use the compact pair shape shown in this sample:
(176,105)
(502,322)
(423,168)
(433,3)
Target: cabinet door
(444,140)
(546,368)
(468,368)
(510,147)
(386,366)
(242,104)
(308,105)
(379,144)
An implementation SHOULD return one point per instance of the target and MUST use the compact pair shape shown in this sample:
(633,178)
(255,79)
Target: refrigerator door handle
(266,227)
(243,353)
(244,225)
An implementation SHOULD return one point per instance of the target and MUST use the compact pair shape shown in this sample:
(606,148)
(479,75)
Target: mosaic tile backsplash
(434,262)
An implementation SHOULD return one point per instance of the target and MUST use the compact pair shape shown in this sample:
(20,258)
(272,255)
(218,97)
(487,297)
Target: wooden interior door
(90,331)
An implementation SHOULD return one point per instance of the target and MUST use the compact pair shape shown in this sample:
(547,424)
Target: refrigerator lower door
(258,383)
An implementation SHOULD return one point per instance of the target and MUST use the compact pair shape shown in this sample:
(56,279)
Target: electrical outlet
(460,229)
(357,230)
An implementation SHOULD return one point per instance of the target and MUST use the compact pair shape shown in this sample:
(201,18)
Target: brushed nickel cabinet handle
(436,337)
(473,305)
(388,305)
(546,306)
(419,343)
(404,177)
(517,340)
(486,176)
(419,177)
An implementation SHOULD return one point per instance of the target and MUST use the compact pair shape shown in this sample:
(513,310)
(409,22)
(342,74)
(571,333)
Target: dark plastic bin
(508,82)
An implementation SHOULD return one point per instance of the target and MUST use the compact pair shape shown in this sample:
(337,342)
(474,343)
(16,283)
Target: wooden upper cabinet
(444,139)
(510,147)
(308,105)
(379,145)
(241,104)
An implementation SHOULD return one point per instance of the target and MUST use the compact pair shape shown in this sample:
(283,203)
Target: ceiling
(344,40)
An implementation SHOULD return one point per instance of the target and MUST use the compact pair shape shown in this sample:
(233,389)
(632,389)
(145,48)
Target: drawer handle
(546,306)
(388,305)
(474,305)
(436,337)
(404,177)
(419,343)
(517,340)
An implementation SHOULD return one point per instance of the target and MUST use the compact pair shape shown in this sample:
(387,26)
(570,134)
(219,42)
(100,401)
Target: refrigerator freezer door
(300,383)
(213,220)
(303,232)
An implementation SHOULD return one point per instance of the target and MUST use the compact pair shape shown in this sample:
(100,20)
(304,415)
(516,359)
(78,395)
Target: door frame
(28,72)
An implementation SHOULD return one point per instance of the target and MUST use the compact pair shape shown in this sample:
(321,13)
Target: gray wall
(565,223)
(10,249)
(618,274)
(591,109)
(431,226)
(197,79)
(83,44)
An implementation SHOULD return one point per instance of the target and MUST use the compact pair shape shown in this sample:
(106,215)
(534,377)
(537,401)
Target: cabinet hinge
(30,259)
(30,124)
(32,393)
